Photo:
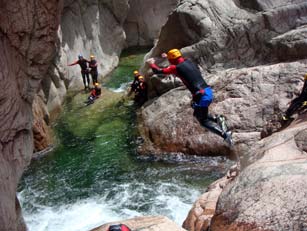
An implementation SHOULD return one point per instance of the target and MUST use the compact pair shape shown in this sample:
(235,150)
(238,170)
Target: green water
(94,175)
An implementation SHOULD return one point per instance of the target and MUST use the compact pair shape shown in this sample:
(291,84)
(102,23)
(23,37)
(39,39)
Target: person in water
(95,93)
(296,103)
(119,227)
(202,93)
(83,63)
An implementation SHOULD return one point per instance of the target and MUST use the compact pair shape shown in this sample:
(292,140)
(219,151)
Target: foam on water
(135,199)
(123,87)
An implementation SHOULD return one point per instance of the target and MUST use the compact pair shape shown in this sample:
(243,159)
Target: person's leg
(201,114)
(94,78)
(83,78)
(297,102)
(88,79)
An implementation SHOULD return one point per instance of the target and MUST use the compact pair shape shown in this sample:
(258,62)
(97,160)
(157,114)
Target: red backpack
(119,227)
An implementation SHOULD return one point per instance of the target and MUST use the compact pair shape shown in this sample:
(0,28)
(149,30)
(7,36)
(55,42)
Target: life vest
(191,76)
(119,227)
(93,66)
(98,91)
(83,64)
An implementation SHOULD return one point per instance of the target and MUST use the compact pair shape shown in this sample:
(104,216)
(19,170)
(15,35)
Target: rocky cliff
(28,34)
(253,53)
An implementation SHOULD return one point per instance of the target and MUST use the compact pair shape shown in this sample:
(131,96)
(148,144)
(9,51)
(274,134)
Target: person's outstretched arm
(157,70)
(74,63)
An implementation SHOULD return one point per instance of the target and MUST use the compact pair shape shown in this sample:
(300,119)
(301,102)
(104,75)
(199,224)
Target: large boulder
(270,193)
(157,223)
(200,216)
(28,35)
(250,98)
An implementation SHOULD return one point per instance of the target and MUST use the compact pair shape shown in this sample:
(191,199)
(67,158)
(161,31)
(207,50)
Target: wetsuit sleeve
(168,70)
(74,63)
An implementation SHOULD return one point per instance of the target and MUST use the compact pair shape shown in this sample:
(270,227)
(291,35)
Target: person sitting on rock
(94,69)
(141,91)
(84,70)
(296,103)
(202,93)
(119,227)
(95,93)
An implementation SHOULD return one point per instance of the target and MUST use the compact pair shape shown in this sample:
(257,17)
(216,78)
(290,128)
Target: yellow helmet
(141,77)
(305,77)
(136,72)
(174,54)
(92,56)
(96,84)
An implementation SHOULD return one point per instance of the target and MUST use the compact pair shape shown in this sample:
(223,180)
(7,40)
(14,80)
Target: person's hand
(164,55)
(193,104)
(150,61)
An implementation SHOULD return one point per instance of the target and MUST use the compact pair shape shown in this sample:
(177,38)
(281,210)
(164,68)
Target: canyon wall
(28,34)
(145,19)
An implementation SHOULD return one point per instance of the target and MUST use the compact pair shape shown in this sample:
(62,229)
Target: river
(94,175)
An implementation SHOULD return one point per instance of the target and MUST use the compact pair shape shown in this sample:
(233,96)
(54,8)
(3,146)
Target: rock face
(91,27)
(27,46)
(41,131)
(240,52)
(145,19)
(146,224)
(200,215)
(269,194)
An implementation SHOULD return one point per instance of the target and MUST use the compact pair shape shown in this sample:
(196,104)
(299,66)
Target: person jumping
(202,93)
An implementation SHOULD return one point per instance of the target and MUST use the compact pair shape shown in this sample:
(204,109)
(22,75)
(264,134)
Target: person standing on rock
(299,101)
(94,69)
(202,93)
(135,82)
(84,70)
(141,92)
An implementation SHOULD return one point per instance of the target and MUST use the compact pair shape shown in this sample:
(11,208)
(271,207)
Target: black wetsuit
(94,70)
(298,101)
(84,72)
